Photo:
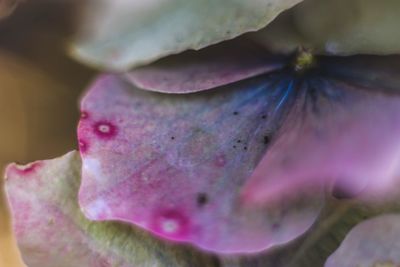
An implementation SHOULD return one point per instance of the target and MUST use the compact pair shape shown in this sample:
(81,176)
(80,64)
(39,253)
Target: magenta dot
(83,146)
(220,160)
(84,115)
(172,224)
(105,129)
(28,169)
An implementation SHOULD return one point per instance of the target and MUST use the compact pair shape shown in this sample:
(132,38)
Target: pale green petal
(372,243)
(52,232)
(340,27)
(120,34)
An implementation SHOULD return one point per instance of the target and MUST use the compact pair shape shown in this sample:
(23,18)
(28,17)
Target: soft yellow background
(39,91)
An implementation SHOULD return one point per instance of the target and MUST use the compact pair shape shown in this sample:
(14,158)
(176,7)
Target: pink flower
(286,129)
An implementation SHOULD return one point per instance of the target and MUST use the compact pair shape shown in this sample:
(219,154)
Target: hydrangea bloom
(186,167)
(228,149)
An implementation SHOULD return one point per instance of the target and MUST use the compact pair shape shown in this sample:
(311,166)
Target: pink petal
(344,134)
(205,69)
(374,242)
(52,231)
(175,164)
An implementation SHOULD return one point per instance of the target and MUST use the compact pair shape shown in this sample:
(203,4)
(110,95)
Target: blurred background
(39,91)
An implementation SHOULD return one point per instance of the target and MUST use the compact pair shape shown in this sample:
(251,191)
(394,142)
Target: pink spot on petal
(105,129)
(220,161)
(27,169)
(83,146)
(171,224)
(84,115)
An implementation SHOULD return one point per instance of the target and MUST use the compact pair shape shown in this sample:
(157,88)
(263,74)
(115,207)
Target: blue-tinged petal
(375,73)
(175,164)
(342,132)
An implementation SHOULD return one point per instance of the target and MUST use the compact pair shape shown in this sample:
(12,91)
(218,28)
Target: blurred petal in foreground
(52,231)
(120,34)
(374,242)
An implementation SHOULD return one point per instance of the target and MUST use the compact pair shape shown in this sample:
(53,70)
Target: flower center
(304,60)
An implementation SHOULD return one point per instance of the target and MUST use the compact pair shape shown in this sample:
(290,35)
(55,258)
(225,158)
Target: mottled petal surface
(343,131)
(372,243)
(205,69)
(120,34)
(52,231)
(175,164)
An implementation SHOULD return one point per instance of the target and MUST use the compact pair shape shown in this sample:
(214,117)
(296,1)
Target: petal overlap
(153,159)
(343,132)
(52,231)
(336,27)
(209,68)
